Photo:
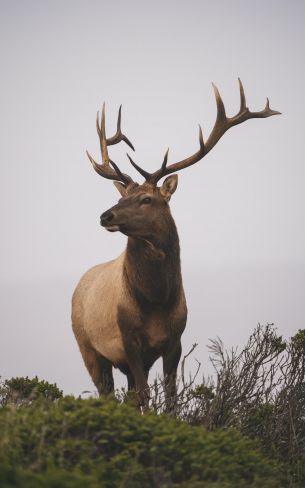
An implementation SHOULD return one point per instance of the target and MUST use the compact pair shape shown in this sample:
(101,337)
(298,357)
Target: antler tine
(166,170)
(142,171)
(125,178)
(243,105)
(164,164)
(221,111)
(119,136)
(103,140)
(107,172)
(149,177)
(99,131)
(104,169)
(245,114)
(222,124)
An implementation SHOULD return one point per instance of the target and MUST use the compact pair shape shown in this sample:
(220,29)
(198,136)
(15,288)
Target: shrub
(260,391)
(20,391)
(244,428)
(95,442)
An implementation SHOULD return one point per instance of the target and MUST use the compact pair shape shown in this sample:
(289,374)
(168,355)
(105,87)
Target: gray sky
(239,212)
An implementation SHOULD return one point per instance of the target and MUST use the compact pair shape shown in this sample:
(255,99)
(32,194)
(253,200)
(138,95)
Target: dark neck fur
(152,268)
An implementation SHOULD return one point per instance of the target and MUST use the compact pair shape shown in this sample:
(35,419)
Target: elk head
(143,210)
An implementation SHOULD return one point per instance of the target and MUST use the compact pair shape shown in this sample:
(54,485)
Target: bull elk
(128,312)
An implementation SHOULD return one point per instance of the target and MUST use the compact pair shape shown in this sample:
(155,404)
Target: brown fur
(129,312)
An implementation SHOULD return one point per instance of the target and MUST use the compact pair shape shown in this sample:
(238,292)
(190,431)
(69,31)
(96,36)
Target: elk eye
(146,200)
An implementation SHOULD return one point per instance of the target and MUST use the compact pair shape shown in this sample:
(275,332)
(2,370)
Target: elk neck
(152,269)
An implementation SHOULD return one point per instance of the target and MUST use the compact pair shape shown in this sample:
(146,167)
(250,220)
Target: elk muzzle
(107,221)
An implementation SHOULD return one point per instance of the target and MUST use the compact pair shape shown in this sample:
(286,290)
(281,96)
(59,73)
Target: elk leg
(131,382)
(132,341)
(100,370)
(170,364)
(138,377)
(141,403)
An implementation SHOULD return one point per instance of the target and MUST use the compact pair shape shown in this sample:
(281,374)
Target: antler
(105,169)
(222,124)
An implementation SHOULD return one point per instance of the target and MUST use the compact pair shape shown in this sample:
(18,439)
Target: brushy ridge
(244,428)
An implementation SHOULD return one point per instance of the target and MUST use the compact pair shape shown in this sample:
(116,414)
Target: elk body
(128,312)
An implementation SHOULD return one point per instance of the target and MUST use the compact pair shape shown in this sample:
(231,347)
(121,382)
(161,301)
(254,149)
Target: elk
(129,312)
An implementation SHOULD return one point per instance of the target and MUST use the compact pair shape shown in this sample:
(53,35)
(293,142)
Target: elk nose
(106,217)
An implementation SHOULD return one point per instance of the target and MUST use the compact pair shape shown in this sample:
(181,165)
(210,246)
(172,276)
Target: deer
(129,312)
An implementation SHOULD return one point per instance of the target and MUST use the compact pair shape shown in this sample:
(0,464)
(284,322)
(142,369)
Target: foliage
(260,391)
(100,442)
(244,428)
(20,391)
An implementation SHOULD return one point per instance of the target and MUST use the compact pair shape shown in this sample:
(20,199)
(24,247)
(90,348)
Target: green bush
(244,428)
(101,443)
(20,391)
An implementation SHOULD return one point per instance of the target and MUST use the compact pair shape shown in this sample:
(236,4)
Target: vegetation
(246,428)
(23,391)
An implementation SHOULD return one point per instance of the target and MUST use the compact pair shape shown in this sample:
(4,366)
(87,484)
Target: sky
(239,212)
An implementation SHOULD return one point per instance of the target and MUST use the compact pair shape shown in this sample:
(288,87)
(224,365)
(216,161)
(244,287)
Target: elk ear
(169,186)
(121,187)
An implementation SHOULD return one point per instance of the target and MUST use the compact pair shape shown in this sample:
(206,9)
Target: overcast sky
(239,212)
